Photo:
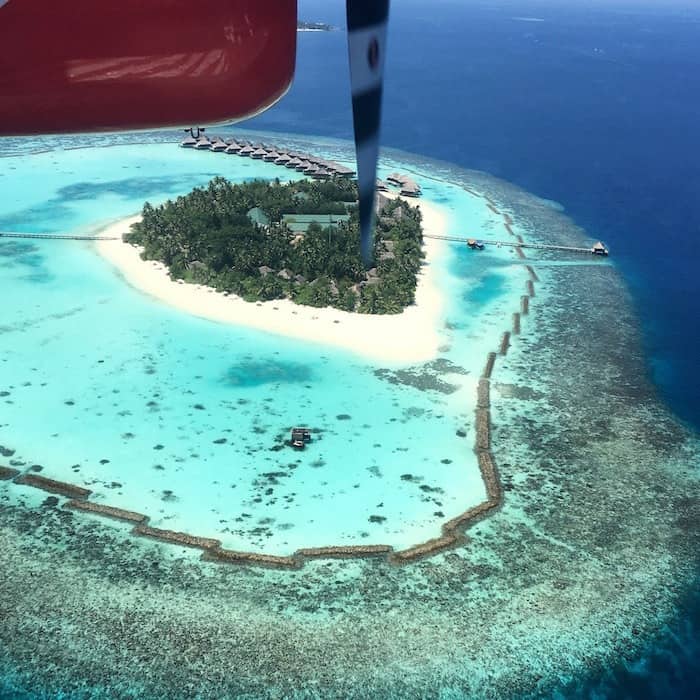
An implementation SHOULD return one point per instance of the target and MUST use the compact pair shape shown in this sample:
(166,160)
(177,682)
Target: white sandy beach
(412,336)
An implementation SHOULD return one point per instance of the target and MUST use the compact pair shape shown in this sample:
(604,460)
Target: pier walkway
(513,244)
(59,236)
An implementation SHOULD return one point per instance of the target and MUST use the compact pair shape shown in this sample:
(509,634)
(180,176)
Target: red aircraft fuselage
(104,65)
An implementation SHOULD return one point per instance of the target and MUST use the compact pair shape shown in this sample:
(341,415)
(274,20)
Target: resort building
(259,217)
(203,143)
(396,179)
(410,188)
(219,144)
(340,170)
(299,223)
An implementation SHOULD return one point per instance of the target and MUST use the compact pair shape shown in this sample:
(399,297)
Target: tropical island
(299,241)
(314,27)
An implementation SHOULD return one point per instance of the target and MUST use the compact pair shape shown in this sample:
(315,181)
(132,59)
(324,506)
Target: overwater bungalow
(233,147)
(300,436)
(342,170)
(271,156)
(219,144)
(293,163)
(258,154)
(189,142)
(203,143)
(599,249)
(396,179)
(322,174)
(410,189)
(246,151)
(283,159)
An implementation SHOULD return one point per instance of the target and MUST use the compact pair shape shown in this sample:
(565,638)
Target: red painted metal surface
(103,65)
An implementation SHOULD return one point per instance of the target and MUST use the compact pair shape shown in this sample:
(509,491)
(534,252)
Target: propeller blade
(367,24)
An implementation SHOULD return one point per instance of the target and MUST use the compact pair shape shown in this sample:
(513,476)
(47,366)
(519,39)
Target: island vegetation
(300,240)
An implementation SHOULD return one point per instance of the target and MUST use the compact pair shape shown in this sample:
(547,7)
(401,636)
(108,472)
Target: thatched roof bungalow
(410,189)
(396,179)
(340,170)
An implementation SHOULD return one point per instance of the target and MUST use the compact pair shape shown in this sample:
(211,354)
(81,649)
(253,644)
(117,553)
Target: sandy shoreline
(411,336)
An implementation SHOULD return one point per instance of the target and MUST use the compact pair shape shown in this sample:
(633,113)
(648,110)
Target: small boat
(599,249)
(474,244)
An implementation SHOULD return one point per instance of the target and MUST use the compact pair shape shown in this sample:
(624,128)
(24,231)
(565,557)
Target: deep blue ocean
(595,105)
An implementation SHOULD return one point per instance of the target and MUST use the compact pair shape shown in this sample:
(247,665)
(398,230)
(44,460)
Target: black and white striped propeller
(367,29)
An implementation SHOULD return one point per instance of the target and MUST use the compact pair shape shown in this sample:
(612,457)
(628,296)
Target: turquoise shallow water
(588,566)
(184,419)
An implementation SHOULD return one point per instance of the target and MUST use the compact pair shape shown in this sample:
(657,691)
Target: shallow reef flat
(589,559)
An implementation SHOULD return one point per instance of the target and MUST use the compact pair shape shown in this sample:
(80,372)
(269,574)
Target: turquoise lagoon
(585,572)
(185,419)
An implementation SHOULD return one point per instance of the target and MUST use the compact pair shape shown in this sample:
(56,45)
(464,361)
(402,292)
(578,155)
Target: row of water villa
(315,167)
(310,165)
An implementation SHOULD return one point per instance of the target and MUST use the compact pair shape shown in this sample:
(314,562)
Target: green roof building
(299,223)
(259,217)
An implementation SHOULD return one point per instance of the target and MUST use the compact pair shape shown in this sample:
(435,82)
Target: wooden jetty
(597,249)
(56,236)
